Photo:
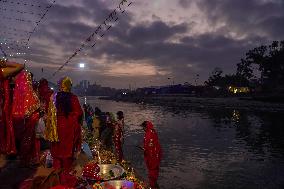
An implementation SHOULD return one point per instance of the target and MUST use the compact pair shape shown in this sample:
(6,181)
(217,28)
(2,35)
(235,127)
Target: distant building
(235,90)
(84,84)
(179,89)
(84,88)
(169,89)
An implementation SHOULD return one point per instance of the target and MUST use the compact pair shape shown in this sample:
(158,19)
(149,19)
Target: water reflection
(208,148)
(236,116)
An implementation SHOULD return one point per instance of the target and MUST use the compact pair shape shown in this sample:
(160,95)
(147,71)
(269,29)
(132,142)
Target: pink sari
(25,100)
(25,115)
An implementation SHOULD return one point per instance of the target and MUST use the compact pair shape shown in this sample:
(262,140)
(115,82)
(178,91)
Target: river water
(216,148)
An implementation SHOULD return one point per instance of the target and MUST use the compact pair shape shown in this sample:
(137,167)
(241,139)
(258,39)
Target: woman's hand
(3,63)
(77,153)
(11,68)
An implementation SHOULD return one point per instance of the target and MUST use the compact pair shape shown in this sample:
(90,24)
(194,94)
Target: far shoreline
(242,103)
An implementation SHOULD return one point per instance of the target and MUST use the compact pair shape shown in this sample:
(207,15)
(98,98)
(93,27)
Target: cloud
(130,69)
(253,17)
(160,39)
(185,3)
(156,31)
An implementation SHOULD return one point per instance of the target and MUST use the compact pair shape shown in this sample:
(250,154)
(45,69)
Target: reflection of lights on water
(85,100)
(236,116)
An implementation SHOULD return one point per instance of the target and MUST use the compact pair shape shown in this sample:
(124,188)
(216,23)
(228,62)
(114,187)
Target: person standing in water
(152,153)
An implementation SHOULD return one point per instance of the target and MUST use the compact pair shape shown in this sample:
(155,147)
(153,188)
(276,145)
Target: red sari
(7,138)
(69,135)
(28,149)
(117,139)
(44,93)
(25,115)
(152,154)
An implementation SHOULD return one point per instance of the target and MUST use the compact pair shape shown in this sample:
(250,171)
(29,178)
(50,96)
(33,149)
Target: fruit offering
(91,171)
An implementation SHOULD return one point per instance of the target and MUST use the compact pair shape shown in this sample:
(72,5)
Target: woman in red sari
(44,93)
(152,153)
(64,129)
(25,112)
(7,138)
(118,136)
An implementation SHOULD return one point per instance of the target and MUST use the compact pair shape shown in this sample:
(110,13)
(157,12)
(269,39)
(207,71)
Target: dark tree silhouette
(270,62)
(215,77)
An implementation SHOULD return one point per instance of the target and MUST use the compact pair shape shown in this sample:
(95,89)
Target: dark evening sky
(151,42)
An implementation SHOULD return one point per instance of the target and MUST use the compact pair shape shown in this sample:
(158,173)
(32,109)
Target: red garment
(117,139)
(44,93)
(152,153)
(68,180)
(60,187)
(69,132)
(7,138)
(65,163)
(37,149)
(25,100)
(28,150)
(153,175)
(25,115)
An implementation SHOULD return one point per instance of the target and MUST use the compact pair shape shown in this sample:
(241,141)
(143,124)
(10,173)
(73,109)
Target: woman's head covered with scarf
(120,115)
(65,84)
(43,88)
(152,152)
(147,125)
(63,97)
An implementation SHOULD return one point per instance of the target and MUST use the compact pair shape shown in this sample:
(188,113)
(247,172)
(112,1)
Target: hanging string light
(18,47)
(99,32)
(17,19)
(14,29)
(21,3)
(19,11)
(41,18)
(14,33)
(4,53)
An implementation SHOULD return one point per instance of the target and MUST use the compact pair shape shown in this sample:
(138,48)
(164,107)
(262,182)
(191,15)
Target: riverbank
(196,102)
(14,175)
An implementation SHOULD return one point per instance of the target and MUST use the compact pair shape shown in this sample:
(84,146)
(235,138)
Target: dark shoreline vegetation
(244,90)
(187,102)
